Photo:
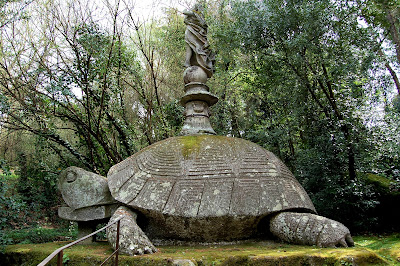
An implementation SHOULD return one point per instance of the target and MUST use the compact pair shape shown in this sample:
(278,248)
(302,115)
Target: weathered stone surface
(88,213)
(200,62)
(84,229)
(197,120)
(80,188)
(195,74)
(132,239)
(183,262)
(198,52)
(197,94)
(310,229)
(207,229)
(206,187)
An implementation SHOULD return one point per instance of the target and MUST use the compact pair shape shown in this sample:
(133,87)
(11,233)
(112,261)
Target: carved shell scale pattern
(206,176)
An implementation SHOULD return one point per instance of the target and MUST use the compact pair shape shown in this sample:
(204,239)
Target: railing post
(59,252)
(117,244)
(60,258)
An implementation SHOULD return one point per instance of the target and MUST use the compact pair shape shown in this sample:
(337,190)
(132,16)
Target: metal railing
(60,252)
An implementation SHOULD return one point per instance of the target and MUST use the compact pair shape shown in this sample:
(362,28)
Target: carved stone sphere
(194,74)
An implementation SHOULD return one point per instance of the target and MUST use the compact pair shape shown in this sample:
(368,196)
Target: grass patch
(370,250)
(39,235)
(387,247)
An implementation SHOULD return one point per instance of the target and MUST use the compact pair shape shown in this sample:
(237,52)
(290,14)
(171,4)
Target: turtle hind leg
(132,240)
(310,229)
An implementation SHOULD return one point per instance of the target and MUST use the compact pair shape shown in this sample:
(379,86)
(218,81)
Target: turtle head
(80,188)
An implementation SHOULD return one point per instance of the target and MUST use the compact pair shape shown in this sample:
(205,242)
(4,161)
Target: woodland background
(315,82)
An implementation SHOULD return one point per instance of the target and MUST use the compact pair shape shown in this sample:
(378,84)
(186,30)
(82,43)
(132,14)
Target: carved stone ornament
(198,52)
(200,66)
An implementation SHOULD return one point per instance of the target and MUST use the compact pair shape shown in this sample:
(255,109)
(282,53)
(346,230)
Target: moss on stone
(368,251)
(378,180)
(191,144)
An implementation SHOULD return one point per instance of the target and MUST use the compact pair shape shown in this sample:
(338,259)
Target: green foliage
(375,12)
(12,10)
(352,203)
(296,78)
(396,104)
(171,115)
(37,182)
(5,168)
(12,206)
(65,258)
(26,199)
(39,235)
(4,241)
(379,181)
(102,235)
(12,209)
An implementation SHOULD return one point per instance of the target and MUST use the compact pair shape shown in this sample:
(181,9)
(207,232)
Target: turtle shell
(207,176)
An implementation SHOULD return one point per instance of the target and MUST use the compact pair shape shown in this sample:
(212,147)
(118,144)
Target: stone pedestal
(197,100)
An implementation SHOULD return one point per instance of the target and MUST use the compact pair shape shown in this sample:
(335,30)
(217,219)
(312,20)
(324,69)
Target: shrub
(39,235)
(12,207)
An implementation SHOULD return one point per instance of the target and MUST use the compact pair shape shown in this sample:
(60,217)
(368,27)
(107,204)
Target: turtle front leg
(310,229)
(132,240)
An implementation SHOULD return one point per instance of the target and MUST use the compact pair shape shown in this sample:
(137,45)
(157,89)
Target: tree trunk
(350,153)
(394,30)
(391,70)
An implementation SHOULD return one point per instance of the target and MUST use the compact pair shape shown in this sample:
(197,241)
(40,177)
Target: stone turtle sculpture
(201,187)
(213,188)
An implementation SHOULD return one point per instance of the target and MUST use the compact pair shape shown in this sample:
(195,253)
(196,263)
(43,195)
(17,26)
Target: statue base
(197,100)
